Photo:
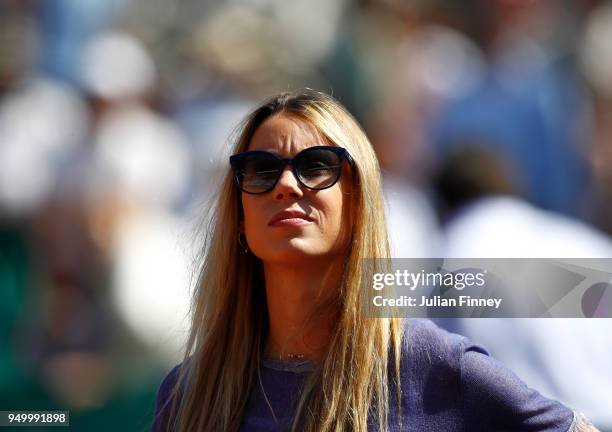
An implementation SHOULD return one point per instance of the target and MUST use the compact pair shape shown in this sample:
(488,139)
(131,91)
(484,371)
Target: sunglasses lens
(258,172)
(318,168)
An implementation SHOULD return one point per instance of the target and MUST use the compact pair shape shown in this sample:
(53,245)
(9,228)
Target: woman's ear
(241,226)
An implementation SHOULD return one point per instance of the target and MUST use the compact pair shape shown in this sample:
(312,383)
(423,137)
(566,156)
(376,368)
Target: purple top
(448,383)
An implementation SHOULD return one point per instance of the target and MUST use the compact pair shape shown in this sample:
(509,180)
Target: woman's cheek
(331,226)
(252,224)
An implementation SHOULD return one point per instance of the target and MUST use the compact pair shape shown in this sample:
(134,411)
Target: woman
(279,339)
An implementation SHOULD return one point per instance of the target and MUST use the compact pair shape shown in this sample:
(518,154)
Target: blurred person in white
(568,359)
(140,172)
(43,122)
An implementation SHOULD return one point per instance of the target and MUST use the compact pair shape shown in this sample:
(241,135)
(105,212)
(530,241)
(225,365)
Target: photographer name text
(436,301)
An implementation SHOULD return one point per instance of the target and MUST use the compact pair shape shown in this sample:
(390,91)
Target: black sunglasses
(257,172)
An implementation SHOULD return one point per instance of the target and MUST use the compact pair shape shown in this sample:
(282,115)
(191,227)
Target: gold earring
(243,244)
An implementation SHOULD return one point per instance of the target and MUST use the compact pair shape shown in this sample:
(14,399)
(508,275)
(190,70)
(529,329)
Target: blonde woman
(279,340)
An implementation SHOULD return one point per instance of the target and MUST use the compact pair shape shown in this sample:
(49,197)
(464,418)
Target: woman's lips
(290,218)
(290,222)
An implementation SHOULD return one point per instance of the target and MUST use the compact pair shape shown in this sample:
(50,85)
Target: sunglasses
(257,172)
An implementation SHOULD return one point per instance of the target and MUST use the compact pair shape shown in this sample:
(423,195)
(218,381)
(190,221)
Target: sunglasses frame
(237,158)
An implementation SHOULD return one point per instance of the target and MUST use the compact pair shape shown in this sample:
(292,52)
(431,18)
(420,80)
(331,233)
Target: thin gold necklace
(285,356)
(292,357)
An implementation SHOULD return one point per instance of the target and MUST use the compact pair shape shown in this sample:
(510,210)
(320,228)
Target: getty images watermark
(488,287)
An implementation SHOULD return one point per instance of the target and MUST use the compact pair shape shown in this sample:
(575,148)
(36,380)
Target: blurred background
(492,120)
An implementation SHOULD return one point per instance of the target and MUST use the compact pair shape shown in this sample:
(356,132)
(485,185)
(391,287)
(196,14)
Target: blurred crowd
(492,120)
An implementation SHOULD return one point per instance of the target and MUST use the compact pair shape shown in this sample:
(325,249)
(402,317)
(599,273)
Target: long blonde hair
(229,322)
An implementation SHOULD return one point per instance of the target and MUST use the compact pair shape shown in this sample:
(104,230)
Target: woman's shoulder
(426,342)
(431,359)
(163,403)
(169,381)
(448,366)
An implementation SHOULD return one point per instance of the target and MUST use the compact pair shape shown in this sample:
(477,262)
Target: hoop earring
(243,243)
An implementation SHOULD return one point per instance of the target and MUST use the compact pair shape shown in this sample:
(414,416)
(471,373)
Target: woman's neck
(300,319)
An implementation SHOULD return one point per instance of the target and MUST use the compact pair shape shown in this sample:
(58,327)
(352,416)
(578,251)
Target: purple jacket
(448,384)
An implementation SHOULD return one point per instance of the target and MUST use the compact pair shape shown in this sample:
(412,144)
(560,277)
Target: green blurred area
(128,406)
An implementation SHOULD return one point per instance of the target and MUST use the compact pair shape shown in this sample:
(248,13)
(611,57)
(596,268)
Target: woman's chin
(293,251)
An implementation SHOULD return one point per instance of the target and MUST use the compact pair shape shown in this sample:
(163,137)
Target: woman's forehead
(285,135)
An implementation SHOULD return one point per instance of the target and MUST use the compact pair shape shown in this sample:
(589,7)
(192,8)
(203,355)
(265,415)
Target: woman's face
(320,228)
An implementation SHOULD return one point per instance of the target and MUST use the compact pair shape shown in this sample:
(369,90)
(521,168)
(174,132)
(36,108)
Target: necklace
(292,357)
(283,356)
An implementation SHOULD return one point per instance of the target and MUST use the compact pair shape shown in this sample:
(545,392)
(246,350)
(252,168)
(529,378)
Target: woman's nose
(287,185)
